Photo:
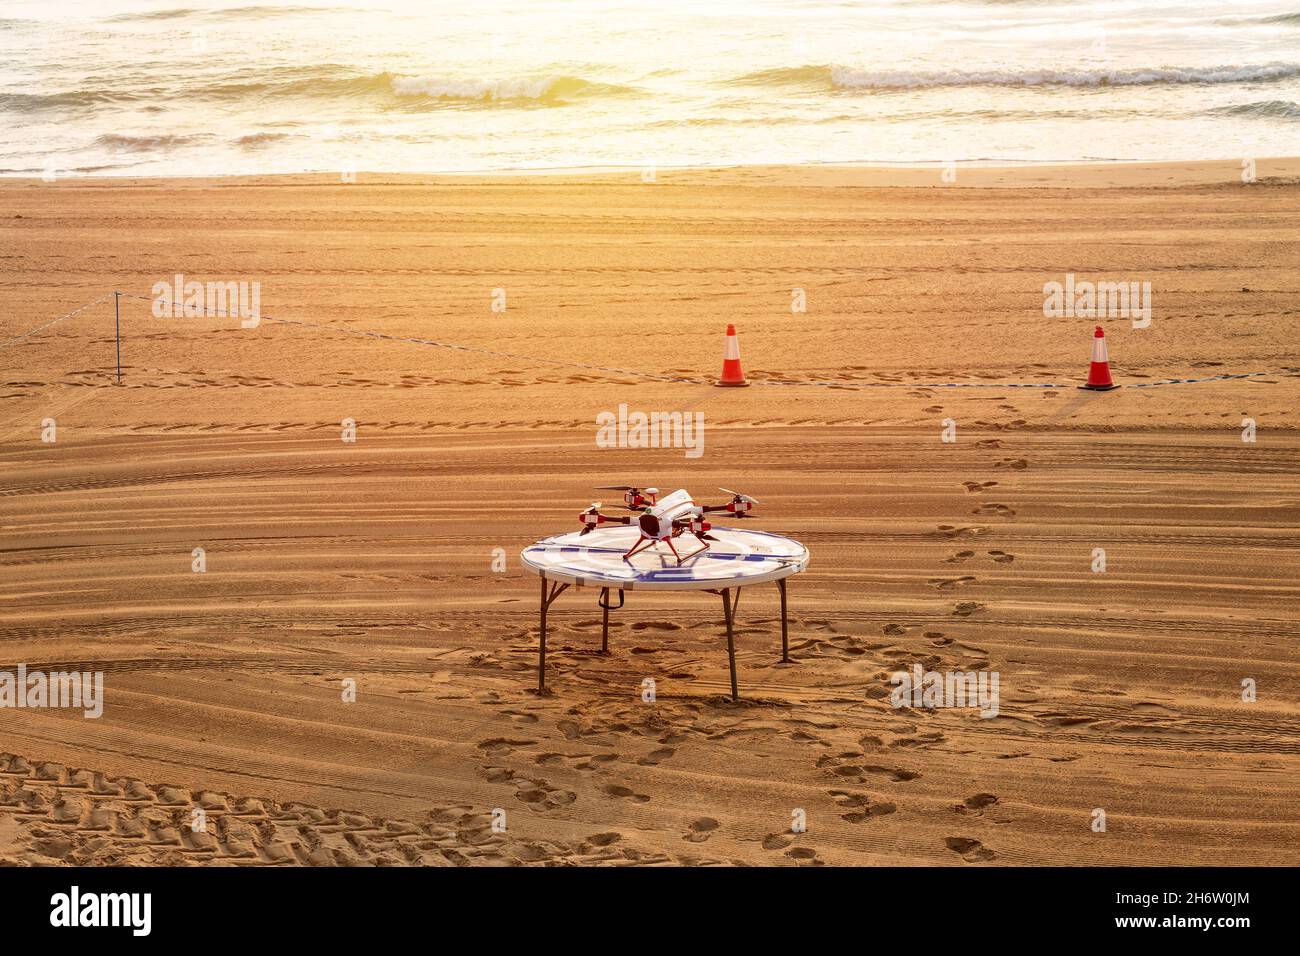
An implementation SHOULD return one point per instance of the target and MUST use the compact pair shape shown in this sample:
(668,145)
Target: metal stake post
(117,330)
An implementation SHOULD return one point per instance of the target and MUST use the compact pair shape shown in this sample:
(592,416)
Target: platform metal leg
(604,624)
(547,599)
(541,646)
(785,629)
(731,640)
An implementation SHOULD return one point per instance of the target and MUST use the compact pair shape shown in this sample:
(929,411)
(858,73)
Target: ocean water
(191,87)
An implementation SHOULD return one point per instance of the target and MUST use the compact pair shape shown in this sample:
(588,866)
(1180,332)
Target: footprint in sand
(1017,464)
(543,795)
(571,729)
(896,774)
(595,761)
(803,854)
(701,829)
(653,758)
(994,508)
(777,841)
(1001,557)
(989,443)
(971,850)
(530,790)
(967,608)
(977,804)
(958,557)
(951,584)
(861,806)
(500,746)
(952,531)
(614,790)
(923,741)
(974,486)
(937,638)
(852,773)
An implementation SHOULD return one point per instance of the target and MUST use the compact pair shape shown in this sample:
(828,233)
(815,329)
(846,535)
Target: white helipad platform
(737,559)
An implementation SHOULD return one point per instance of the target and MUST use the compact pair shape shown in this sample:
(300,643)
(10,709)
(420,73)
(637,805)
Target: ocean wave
(1270,109)
(845,78)
(142,144)
(226,13)
(323,82)
(67,99)
(84,170)
(545,89)
(260,139)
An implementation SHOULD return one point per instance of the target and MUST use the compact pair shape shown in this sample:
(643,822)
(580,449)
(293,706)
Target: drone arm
(604,518)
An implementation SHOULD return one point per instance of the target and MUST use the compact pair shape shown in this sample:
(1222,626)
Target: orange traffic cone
(731,371)
(1099,371)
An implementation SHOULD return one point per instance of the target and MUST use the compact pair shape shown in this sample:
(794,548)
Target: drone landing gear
(637,548)
(704,546)
(633,550)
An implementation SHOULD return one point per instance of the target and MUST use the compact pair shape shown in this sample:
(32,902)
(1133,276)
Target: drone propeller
(738,496)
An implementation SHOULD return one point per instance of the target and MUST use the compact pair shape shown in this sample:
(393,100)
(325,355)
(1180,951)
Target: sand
(373,561)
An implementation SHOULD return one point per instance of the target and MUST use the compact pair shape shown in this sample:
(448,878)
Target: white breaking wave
(849,79)
(447,89)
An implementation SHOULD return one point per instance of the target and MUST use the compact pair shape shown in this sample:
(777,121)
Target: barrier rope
(40,328)
(677,379)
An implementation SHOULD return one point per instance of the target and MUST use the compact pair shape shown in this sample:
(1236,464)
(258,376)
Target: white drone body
(663,519)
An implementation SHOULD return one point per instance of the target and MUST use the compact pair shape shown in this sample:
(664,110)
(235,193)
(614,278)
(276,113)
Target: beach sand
(372,561)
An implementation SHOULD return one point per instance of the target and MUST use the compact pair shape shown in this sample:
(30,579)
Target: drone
(666,518)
